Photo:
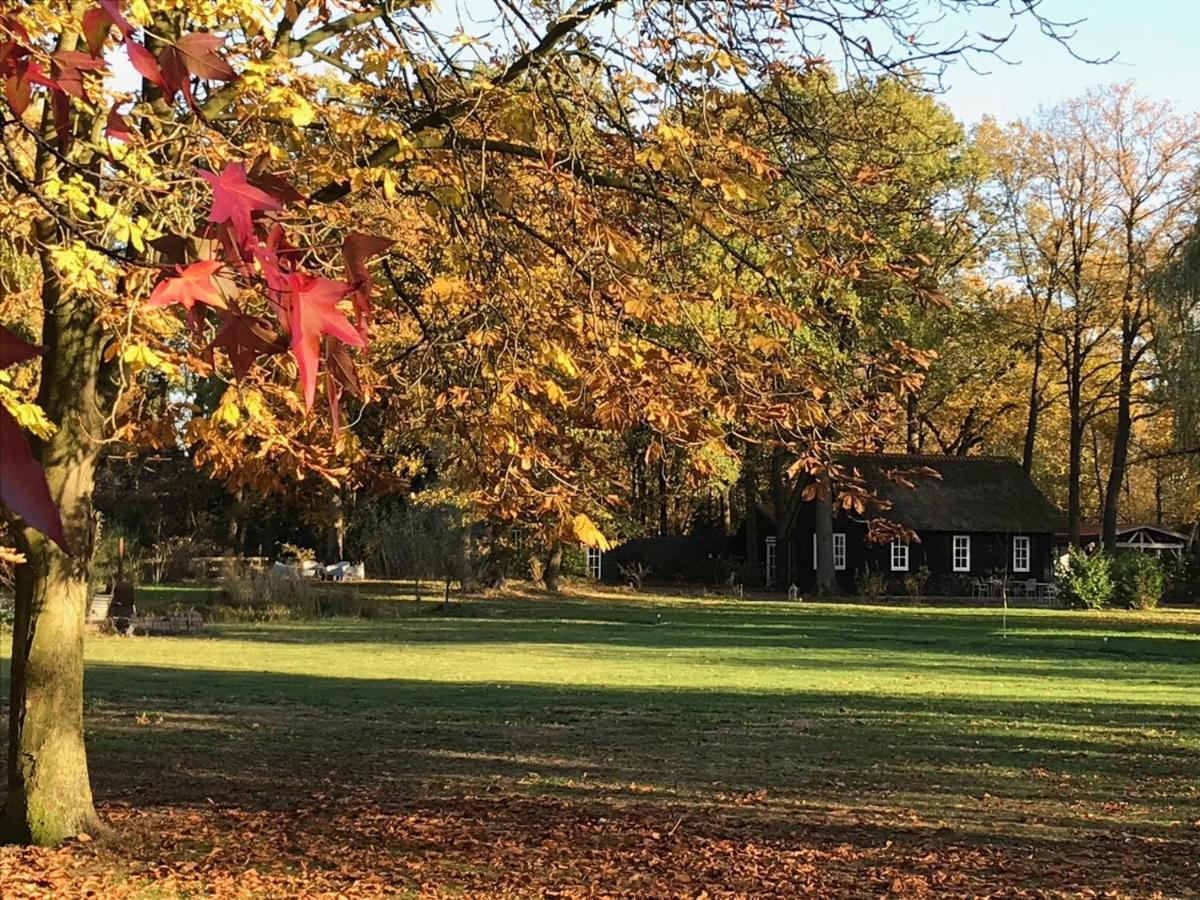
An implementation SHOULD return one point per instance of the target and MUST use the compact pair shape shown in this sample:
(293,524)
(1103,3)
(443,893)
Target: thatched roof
(956,493)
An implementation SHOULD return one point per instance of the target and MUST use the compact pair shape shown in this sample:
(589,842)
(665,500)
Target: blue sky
(1158,42)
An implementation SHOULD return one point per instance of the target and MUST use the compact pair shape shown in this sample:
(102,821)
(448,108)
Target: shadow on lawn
(1092,786)
(236,734)
(1037,640)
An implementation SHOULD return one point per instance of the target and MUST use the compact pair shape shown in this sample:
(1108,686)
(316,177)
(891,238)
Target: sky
(1158,47)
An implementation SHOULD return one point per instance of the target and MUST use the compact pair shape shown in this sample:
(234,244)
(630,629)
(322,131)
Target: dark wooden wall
(991,554)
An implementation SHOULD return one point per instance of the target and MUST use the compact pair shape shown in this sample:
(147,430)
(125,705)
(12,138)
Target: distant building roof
(956,493)
(1092,530)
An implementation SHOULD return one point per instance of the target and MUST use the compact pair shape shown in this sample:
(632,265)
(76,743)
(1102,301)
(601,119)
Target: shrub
(1137,581)
(1085,580)
(915,582)
(266,597)
(1183,577)
(870,583)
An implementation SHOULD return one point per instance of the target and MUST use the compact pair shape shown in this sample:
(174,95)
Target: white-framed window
(1020,553)
(899,556)
(839,551)
(594,561)
(962,553)
(772,560)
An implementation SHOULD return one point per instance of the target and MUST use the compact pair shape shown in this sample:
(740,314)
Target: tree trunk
(778,483)
(750,487)
(664,521)
(826,575)
(1120,452)
(1035,406)
(49,794)
(554,567)
(1130,327)
(1158,494)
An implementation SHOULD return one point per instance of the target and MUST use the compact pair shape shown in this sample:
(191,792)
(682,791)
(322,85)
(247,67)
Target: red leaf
(144,62)
(61,107)
(235,200)
(193,55)
(113,8)
(357,248)
(314,313)
(172,247)
(24,74)
(96,22)
(23,487)
(245,338)
(277,187)
(13,350)
(117,128)
(68,67)
(16,89)
(192,285)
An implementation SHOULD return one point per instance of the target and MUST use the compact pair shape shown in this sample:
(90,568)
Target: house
(974,517)
(1153,539)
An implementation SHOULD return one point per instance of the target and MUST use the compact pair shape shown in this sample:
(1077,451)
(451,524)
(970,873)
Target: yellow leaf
(227,414)
(587,533)
(139,357)
(302,113)
(563,360)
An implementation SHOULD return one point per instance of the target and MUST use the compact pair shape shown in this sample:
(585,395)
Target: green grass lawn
(1060,754)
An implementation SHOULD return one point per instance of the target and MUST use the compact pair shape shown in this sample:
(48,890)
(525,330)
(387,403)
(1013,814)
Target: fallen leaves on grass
(358,846)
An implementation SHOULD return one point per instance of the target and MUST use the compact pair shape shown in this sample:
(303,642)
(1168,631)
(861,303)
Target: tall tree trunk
(1158,493)
(778,483)
(1074,477)
(553,567)
(664,521)
(826,574)
(1035,405)
(49,793)
(750,489)
(1120,450)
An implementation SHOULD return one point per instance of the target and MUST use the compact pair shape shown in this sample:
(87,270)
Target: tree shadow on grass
(996,780)
(1037,646)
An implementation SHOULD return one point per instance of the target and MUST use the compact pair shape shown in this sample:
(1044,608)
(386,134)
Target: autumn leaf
(116,128)
(192,285)
(244,339)
(67,67)
(99,19)
(357,249)
(193,55)
(314,313)
(23,487)
(13,350)
(586,532)
(144,63)
(235,200)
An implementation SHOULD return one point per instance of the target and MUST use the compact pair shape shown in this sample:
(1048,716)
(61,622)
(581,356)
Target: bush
(1183,577)
(1137,581)
(870,583)
(915,582)
(1085,580)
